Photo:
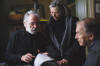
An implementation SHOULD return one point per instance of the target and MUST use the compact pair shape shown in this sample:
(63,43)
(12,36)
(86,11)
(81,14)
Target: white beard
(31,30)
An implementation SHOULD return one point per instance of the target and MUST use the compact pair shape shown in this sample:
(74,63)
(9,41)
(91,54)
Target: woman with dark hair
(62,45)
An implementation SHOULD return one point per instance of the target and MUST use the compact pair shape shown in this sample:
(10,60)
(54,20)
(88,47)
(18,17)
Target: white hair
(28,13)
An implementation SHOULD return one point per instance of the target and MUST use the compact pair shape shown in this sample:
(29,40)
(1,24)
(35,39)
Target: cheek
(32,26)
(82,40)
(29,27)
(57,15)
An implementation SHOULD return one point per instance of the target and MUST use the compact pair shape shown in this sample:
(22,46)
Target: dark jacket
(22,42)
(93,58)
(62,41)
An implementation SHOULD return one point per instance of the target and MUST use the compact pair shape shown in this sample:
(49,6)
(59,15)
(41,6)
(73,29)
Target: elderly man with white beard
(24,45)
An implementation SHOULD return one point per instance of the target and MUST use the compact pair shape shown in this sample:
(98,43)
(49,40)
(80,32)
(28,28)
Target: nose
(35,25)
(53,14)
(76,36)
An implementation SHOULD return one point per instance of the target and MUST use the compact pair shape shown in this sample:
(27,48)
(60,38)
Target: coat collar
(95,46)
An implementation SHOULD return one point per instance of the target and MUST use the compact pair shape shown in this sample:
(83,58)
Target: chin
(33,32)
(82,44)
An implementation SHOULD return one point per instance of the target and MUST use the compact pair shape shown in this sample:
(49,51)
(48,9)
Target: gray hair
(63,10)
(91,26)
(28,13)
(57,5)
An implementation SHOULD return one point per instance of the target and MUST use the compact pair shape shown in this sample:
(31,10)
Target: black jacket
(62,41)
(22,42)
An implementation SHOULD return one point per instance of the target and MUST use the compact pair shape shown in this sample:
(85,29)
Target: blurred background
(12,12)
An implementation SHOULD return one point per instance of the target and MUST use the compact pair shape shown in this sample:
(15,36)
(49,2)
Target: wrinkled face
(32,25)
(82,37)
(55,13)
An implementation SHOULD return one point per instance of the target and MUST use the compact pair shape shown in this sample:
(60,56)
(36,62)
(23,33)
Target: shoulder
(17,33)
(73,18)
(96,45)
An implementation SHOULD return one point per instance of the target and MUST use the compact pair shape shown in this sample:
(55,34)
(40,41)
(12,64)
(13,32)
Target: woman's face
(55,13)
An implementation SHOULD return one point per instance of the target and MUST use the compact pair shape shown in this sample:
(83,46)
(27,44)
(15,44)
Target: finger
(30,57)
(58,62)
(26,61)
(33,56)
(29,54)
(38,51)
(45,53)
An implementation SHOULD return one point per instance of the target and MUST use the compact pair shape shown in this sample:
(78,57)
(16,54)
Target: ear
(91,37)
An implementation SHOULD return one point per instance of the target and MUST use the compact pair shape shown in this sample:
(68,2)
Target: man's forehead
(33,16)
(80,25)
(54,8)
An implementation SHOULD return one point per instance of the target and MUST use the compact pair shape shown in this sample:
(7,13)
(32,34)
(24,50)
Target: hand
(45,53)
(63,61)
(27,57)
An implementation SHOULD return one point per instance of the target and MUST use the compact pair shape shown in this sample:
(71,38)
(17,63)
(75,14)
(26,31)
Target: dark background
(3,28)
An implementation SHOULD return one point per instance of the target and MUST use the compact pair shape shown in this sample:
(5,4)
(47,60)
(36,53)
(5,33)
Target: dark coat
(93,58)
(20,43)
(62,42)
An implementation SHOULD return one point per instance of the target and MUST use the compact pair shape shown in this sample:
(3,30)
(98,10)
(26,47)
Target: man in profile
(88,34)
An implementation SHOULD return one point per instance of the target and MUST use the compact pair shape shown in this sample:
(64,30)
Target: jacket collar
(95,46)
